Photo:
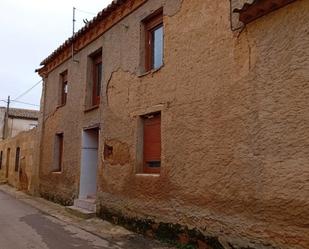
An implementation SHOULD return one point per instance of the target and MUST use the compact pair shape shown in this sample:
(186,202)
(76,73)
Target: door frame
(81,191)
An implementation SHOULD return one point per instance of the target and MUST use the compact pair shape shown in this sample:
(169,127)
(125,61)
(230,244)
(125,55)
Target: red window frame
(64,87)
(152,143)
(152,23)
(1,159)
(96,78)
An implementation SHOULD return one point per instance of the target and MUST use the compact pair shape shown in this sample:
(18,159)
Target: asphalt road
(23,227)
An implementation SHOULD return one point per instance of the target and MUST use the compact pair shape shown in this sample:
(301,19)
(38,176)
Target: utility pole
(73,33)
(6,119)
(74,20)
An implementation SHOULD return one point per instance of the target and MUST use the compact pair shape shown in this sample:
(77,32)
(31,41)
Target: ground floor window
(58,153)
(151,143)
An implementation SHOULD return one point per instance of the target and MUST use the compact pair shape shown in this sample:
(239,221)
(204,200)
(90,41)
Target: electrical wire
(24,93)
(86,12)
(36,84)
(20,102)
(25,103)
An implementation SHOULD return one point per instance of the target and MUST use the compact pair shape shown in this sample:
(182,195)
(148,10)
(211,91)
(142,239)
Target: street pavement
(25,227)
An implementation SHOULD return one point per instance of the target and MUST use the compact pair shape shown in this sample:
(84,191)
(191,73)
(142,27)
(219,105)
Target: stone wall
(23,178)
(235,121)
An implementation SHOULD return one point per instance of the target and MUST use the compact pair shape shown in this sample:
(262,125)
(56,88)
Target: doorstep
(80,212)
(83,208)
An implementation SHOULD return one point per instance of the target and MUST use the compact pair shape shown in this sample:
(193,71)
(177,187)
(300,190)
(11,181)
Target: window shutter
(152,143)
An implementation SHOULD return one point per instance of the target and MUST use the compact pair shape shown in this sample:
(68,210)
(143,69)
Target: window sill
(56,172)
(89,109)
(148,175)
(152,71)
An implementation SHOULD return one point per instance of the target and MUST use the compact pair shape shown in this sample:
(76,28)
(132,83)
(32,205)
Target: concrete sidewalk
(118,236)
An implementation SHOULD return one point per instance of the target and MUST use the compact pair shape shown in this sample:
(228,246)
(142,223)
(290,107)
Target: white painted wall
(16,125)
(89,163)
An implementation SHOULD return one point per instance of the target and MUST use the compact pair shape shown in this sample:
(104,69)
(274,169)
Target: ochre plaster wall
(235,130)
(23,178)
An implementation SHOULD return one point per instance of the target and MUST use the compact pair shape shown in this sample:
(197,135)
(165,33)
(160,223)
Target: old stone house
(18,147)
(16,120)
(184,119)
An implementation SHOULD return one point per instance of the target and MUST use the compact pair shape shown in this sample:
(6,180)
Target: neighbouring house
(19,160)
(185,120)
(16,120)
(19,148)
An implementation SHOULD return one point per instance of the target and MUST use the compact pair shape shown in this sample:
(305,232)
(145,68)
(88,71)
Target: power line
(20,102)
(25,103)
(24,93)
(86,12)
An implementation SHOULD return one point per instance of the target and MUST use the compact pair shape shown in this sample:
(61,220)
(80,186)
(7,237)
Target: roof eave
(258,8)
(100,16)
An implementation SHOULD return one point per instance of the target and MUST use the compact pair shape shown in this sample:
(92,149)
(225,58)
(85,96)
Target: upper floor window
(154,34)
(97,68)
(1,157)
(63,87)
(17,159)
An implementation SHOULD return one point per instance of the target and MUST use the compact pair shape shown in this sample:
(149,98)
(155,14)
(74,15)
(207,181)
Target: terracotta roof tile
(253,9)
(23,113)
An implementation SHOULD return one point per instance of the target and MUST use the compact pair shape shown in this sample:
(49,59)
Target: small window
(58,153)
(32,126)
(97,68)
(154,41)
(17,159)
(152,143)
(1,158)
(64,87)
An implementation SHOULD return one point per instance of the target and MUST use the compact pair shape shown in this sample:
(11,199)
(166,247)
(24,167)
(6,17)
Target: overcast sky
(30,31)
